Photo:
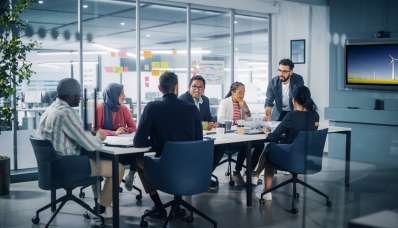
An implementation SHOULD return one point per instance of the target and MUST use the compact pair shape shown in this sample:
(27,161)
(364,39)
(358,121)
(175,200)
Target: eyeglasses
(197,87)
(283,71)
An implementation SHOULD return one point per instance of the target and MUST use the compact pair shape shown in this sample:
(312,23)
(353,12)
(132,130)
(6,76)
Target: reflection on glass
(211,51)
(163,47)
(251,58)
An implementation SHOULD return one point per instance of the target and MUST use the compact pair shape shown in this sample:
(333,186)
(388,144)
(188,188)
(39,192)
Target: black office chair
(67,172)
(230,160)
(184,169)
(303,156)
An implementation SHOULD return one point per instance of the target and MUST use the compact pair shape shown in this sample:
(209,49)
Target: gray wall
(371,142)
(357,19)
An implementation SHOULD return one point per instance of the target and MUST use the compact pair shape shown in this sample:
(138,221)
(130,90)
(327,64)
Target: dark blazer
(274,93)
(168,120)
(291,124)
(204,108)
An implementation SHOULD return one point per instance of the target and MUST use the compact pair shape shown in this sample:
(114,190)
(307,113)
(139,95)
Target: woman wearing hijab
(113,117)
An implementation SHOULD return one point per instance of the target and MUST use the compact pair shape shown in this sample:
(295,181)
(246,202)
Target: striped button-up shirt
(61,125)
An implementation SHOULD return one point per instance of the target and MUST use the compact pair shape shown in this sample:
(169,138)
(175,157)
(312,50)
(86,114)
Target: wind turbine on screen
(393,63)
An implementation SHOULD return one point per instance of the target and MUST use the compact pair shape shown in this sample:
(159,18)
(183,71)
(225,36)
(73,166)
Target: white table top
(235,138)
(219,139)
(114,150)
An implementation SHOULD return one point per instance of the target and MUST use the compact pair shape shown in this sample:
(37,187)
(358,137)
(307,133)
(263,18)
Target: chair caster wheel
(262,201)
(35,220)
(188,219)
(231,183)
(138,197)
(329,203)
(294,211)
(120,190)
(82,195)
(143,223)
(86,215)
(296,196)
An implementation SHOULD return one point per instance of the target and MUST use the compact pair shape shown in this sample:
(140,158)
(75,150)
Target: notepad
(122,141)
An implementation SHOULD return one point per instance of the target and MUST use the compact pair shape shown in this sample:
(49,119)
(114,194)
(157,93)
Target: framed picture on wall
(297,51)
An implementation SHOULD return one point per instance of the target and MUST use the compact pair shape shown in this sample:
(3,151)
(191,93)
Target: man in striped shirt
(61,125)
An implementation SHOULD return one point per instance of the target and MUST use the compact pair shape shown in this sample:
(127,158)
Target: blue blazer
(274,94)
(204,108)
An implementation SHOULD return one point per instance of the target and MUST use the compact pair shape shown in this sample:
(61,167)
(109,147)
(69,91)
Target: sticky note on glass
(147,54)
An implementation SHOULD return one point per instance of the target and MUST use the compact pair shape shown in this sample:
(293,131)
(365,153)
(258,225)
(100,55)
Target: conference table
(115,153)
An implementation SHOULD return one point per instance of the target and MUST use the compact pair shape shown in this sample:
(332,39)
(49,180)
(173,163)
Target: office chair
(230,160)
(55,172)
(184,169)
(303,156)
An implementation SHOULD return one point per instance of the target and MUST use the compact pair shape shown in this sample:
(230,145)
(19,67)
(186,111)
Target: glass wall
(108,45)
(211,40)
(163,47)
(251,58)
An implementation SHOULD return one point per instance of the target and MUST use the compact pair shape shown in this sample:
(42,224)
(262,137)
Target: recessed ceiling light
(85,6)
(122,23)
(147,35)
(40,1)
(235,22)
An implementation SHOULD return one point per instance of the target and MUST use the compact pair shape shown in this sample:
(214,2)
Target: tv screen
(372,65)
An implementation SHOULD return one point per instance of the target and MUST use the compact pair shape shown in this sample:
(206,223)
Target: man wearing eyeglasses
(279,92)
(195,95)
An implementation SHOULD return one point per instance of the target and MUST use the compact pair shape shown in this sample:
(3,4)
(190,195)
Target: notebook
(125,140)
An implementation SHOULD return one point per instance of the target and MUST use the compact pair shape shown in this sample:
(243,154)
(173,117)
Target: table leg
(249,172)
(347,158)
(115,191)
(53,198)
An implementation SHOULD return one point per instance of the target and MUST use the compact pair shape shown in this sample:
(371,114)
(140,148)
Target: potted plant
(14,69)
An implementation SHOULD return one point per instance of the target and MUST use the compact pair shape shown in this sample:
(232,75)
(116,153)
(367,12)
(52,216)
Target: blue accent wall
(374,135)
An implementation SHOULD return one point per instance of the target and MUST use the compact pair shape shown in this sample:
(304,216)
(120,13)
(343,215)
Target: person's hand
(268,111)
(101,135)
(120,130)
(266,130)
(211,125)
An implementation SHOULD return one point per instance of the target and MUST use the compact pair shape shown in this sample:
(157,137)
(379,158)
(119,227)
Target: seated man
(167,120)
(195,95)
(61,125)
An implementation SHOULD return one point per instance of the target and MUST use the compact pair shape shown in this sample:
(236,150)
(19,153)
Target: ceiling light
(40,2)
(71,53)
(85,6)
(122,23)
(235,22)
(147,35)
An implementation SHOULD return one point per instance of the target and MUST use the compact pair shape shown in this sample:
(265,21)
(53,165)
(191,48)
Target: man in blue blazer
(280,89)
(195,95)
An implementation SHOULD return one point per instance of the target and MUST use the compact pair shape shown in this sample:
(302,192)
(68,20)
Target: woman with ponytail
(303,118)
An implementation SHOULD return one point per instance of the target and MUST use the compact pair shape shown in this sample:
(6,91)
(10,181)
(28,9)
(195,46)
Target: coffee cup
(220,131)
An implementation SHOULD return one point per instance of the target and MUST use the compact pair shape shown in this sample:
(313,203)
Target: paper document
(122,140)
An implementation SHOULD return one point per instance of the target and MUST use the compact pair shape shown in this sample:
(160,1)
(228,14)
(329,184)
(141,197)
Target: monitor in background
(371,65)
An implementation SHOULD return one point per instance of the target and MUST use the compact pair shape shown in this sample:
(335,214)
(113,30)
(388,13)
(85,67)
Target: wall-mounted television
(371,65)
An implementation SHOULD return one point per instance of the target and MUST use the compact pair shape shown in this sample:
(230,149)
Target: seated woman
(303,118)
(114,118)
(235,108)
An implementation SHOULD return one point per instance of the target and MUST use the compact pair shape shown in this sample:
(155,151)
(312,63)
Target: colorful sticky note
(155,73)
(147,54)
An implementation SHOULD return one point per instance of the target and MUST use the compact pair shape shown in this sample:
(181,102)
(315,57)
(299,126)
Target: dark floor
(372,190)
